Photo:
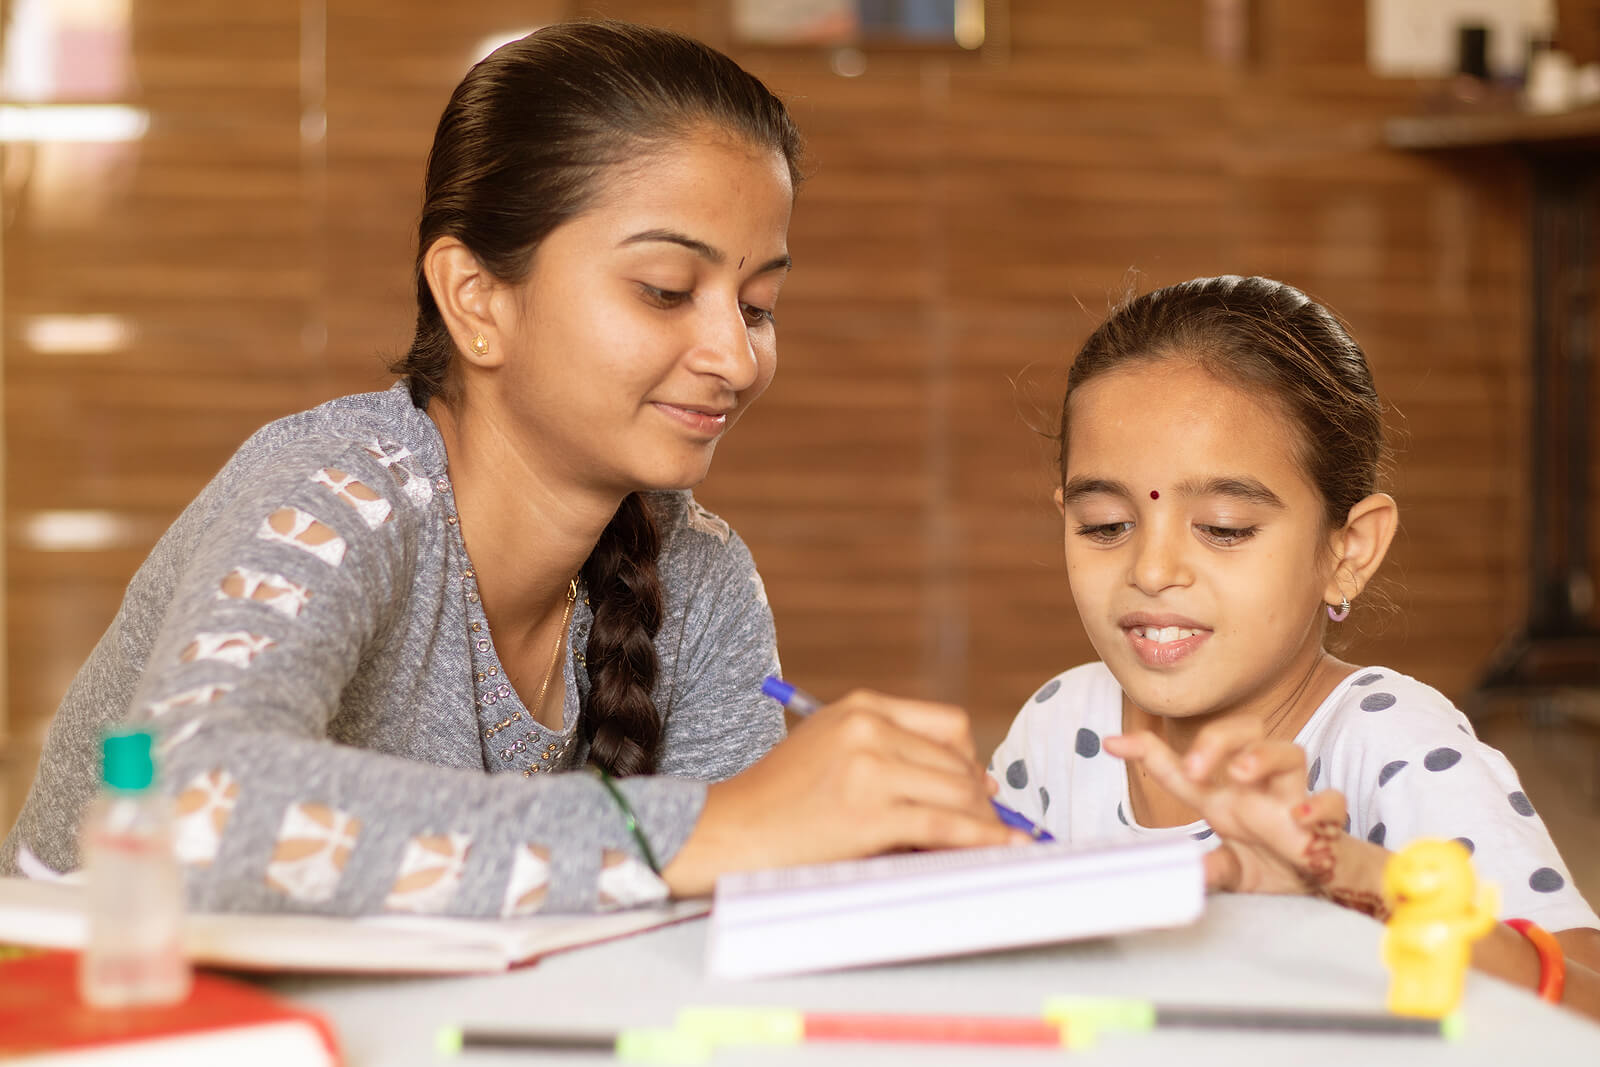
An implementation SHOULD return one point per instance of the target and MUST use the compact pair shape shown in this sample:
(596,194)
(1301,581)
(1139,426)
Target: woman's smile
(706,421)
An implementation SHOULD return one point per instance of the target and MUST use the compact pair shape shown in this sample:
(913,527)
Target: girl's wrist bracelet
(1552,962)
(628,819)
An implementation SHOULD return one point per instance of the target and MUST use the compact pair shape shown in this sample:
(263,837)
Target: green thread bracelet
(628,819)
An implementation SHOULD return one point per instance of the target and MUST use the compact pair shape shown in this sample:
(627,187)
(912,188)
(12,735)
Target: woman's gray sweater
(308,645)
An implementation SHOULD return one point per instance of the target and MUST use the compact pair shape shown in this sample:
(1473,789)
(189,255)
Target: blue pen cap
(778,689)
(1015,818)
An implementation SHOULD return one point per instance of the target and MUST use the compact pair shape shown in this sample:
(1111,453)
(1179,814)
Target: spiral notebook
(925,904)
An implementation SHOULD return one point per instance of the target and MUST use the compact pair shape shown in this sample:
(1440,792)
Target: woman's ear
(464,292)
(1061,501)
(1360,546)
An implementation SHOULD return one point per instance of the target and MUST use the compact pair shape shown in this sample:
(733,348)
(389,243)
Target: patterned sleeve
(298,575)
(717,720)
(1437,780)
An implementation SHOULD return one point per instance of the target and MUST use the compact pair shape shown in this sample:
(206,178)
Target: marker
(1090,1015)
(720,1026)
(700,1031)
(801,703)
(633,1045)
(1067,1022)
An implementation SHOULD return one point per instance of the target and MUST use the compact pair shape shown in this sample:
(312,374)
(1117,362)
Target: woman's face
(645,327)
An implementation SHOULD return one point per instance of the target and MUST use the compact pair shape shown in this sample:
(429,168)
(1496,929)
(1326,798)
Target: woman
(495,567)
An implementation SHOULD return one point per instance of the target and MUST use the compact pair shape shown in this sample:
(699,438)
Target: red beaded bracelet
(1552,963)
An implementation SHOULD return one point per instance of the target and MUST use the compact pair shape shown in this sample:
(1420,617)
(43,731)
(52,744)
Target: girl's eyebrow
(1239,487)
(1080,487)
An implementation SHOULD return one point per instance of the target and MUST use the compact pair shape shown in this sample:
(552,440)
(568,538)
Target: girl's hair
(525,144)
(1273,340)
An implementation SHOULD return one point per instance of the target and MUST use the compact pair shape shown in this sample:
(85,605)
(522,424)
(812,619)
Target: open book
(924,904)
(50,915)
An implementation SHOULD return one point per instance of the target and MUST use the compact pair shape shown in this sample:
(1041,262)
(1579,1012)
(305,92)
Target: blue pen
(799,702)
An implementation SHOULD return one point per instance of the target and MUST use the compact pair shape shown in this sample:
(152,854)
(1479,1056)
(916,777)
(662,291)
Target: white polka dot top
(1404,757)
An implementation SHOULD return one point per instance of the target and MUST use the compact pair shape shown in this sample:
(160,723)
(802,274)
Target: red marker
(932,1029)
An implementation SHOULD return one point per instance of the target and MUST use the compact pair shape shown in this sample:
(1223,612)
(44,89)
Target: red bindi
(1154,495)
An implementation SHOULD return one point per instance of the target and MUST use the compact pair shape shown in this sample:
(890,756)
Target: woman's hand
(865,775)
(1275,837)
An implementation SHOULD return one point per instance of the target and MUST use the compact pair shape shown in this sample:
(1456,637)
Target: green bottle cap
(128,766)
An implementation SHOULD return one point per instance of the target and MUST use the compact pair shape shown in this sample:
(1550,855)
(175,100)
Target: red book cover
(223,1020)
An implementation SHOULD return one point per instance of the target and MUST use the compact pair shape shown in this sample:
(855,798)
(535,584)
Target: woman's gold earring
(480,345)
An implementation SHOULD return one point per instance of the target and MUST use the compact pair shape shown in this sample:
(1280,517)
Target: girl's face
(1195,543)
(645,327)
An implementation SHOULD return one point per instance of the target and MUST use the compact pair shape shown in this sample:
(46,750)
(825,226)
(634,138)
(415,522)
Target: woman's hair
(525,144)
(1274,341)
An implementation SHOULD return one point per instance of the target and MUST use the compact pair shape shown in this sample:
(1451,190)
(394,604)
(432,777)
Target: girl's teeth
(1164,634)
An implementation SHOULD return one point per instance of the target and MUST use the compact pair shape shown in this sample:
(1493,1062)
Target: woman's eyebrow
(700,248)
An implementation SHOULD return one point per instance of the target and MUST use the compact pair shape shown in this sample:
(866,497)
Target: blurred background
(208,222)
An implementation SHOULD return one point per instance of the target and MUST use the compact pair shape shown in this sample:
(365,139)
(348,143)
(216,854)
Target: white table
(1246,950)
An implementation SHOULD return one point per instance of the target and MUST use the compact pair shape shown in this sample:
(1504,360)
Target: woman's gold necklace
(555,654)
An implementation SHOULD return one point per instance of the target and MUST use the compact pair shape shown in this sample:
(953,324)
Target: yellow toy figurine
(1437,910)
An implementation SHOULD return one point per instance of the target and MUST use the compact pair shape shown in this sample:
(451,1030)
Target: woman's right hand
(868,774)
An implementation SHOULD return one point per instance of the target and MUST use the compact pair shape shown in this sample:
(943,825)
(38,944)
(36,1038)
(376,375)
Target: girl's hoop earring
(480,345)
(1344,609)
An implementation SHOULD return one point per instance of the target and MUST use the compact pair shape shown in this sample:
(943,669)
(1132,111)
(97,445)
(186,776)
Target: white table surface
(1246,950)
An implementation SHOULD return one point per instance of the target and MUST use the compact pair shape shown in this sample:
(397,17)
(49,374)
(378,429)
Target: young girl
(376,639)
(1220,450)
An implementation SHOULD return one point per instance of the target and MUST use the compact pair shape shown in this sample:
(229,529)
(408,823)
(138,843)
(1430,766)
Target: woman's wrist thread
(629,820)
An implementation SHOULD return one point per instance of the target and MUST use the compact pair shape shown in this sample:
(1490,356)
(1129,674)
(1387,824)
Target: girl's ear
(1359,547)
(1061,501)
(464,292)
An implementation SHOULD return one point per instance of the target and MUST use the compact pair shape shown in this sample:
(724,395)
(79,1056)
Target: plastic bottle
(133,954)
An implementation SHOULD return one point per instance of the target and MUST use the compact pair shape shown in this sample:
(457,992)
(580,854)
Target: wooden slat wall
(968,221)
(197,235)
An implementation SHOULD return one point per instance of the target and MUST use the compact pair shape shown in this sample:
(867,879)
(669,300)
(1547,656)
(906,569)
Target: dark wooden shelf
(1578,129)
(1557,647)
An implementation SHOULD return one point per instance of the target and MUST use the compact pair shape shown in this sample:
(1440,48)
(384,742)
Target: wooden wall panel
(966,223)
(196,237)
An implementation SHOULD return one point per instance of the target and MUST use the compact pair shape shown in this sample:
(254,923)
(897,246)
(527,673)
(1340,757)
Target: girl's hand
(865,775)
(1275,837)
